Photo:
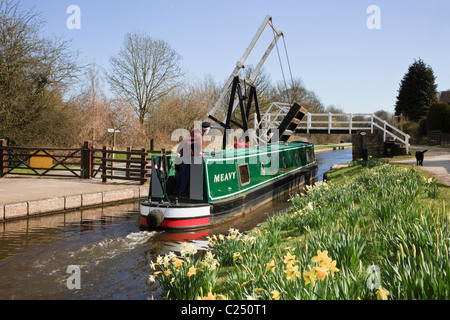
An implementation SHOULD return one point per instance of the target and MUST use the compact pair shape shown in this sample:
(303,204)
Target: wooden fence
(85,162)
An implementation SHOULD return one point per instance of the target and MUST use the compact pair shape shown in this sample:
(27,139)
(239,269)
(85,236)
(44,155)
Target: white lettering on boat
(224,177)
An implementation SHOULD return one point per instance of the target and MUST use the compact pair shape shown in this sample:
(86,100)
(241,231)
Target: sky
(332,45)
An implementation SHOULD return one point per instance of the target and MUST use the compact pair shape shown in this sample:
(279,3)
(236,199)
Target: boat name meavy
(224,177)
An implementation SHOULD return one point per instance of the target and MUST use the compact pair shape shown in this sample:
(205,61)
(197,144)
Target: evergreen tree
(417,92)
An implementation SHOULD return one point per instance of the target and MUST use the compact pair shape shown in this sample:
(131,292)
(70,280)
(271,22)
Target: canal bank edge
(24,209)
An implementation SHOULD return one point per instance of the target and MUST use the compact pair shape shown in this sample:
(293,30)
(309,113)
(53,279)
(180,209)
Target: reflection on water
(108,245)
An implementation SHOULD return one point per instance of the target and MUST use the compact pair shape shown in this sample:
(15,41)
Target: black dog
(419,157)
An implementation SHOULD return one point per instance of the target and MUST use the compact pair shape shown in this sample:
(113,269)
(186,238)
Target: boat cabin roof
(254,150)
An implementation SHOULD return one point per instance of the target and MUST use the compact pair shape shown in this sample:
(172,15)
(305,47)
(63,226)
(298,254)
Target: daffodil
(210,296)
(275,295)
(321,273)
(289,258)
(292,272)
(322,258)
(245,283)
(309,276)
(271,266)
(167,272)
(191,271)
(165,261)
(151,278)
(333,268)
(236,255)
(177,262)
(382,294)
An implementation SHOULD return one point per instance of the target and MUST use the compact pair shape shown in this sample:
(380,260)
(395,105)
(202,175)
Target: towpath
(436,162)
(26,196)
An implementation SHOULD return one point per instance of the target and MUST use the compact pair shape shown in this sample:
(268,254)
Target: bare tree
(144,71)
(93,109)
(297,93)
(34,73)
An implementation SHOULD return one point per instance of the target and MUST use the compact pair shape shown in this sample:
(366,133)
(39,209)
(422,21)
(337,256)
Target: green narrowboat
(226,183)
(232,181)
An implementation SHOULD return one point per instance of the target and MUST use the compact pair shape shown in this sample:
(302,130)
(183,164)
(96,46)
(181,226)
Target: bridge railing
(347,121)
(330,123)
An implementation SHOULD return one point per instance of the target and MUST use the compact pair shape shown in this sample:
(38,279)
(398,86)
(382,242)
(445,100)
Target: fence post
(152,145)
(143,165)
(127,165)
(3,156)
(104,163)
(350,124)
(329,122)
(308,122)
(371,123)
(86,160)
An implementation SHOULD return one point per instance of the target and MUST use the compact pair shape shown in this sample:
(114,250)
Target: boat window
(296,158)
(244,174)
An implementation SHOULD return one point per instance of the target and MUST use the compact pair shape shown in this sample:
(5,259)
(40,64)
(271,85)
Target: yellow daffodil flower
(321,273)
(382,294)
(271,266)
(309,276)
(191,271)
(322,258)
(210,296)
(289,258)
(333,268)
(275,295)
(177,262)
(292,272)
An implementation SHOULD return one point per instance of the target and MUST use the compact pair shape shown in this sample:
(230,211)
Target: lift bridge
(282,120)
(290,119)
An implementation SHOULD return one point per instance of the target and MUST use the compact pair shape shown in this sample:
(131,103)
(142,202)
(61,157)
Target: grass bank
(376,231)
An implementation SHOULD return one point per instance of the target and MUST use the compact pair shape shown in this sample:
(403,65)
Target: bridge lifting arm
(240,65)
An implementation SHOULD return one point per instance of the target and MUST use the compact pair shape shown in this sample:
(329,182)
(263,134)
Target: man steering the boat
(189,150)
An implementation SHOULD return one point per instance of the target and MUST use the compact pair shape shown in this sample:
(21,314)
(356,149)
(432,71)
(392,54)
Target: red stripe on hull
(182,223)
(186,223)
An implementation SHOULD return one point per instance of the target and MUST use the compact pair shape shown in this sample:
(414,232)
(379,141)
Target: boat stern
(165,215)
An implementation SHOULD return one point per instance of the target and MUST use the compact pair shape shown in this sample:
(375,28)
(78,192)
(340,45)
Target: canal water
(106,247)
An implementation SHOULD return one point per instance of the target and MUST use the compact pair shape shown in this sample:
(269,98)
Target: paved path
(436,162)
(21,197)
